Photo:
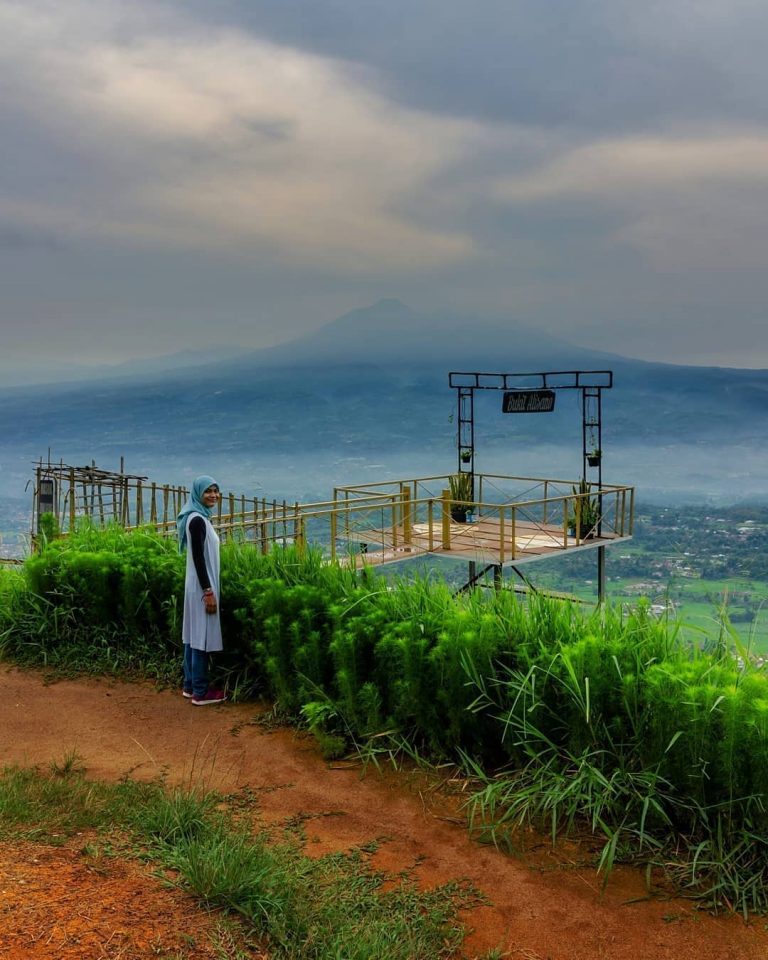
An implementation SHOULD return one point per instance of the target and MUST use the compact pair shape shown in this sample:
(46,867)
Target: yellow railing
(392,519)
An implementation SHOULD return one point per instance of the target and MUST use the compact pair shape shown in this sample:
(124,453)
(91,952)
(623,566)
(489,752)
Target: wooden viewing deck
(534,521)
(481,541)
(516,519)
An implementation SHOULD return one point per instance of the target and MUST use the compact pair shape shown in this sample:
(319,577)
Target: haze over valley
(367,397)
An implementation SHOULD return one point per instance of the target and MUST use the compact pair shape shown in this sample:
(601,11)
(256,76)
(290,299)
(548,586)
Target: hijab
(193,505)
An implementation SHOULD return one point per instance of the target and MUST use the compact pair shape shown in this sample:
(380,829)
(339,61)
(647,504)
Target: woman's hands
(209,599)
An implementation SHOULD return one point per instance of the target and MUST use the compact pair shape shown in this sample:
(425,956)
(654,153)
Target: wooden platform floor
(478,541)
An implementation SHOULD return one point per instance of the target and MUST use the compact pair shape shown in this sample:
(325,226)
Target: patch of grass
(309,909)
(174,816)
(229,869)
(70,763)
(49,808)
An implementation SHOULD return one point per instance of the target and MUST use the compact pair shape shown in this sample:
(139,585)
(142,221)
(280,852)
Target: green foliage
(100,600)
(655,748)
(49,527)
(586,512)
(460,485)
(606,718)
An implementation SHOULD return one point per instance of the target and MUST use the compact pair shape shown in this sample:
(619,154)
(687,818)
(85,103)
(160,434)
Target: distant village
(684,554)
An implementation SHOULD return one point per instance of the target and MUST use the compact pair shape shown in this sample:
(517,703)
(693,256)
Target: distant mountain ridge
(49,373)
(370,391)
(390,332)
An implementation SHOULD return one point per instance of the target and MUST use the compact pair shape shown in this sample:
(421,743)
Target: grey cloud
(605,64)
(270,129)
(561,212)
(27,239)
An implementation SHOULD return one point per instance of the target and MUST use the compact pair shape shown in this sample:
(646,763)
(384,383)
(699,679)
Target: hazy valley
(367,397)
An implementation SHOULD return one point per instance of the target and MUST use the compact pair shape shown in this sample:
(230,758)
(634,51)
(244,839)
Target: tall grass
(642,741)
(607,720)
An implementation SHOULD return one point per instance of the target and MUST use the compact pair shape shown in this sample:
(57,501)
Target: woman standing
(201,631)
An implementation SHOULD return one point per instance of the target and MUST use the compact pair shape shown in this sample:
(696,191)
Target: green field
(701,606)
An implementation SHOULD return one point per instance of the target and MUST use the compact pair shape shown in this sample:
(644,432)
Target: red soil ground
(54,904)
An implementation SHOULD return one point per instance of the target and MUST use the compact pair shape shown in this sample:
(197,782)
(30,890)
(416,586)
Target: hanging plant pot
(466,456)
(593,459)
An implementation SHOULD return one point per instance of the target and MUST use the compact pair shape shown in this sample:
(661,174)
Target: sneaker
(187,693)
(212,696)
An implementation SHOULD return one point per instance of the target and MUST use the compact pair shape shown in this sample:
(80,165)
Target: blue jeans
(195,671)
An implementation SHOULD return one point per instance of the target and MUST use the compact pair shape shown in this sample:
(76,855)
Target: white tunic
(201,630)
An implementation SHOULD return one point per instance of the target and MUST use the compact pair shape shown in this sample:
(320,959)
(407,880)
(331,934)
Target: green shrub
(607,716)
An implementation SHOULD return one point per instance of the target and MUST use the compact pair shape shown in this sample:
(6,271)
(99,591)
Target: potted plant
(582,523)
(594,456)
(466,456)
(460,485)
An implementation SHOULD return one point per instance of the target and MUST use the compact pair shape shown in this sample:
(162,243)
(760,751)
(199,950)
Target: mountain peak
(388,308)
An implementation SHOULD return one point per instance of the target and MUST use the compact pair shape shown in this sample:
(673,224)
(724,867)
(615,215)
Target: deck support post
(446,518)
(407,517)
(600,574)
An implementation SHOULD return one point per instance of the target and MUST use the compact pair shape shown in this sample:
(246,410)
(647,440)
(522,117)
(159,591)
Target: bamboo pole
(33,533)
(153,504)
(72,500)
(126,514)
(117,500)
(297,526)
(395,511)
(446,519)
(139,504)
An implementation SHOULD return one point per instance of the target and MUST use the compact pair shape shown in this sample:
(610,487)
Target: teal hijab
(193,505)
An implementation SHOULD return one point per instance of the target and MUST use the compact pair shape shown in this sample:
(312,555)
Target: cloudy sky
(188,173)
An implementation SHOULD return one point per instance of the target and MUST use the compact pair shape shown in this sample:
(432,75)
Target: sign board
(46,494)
(528,401)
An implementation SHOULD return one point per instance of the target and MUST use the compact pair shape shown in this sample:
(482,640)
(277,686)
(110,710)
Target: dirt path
(543,912)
